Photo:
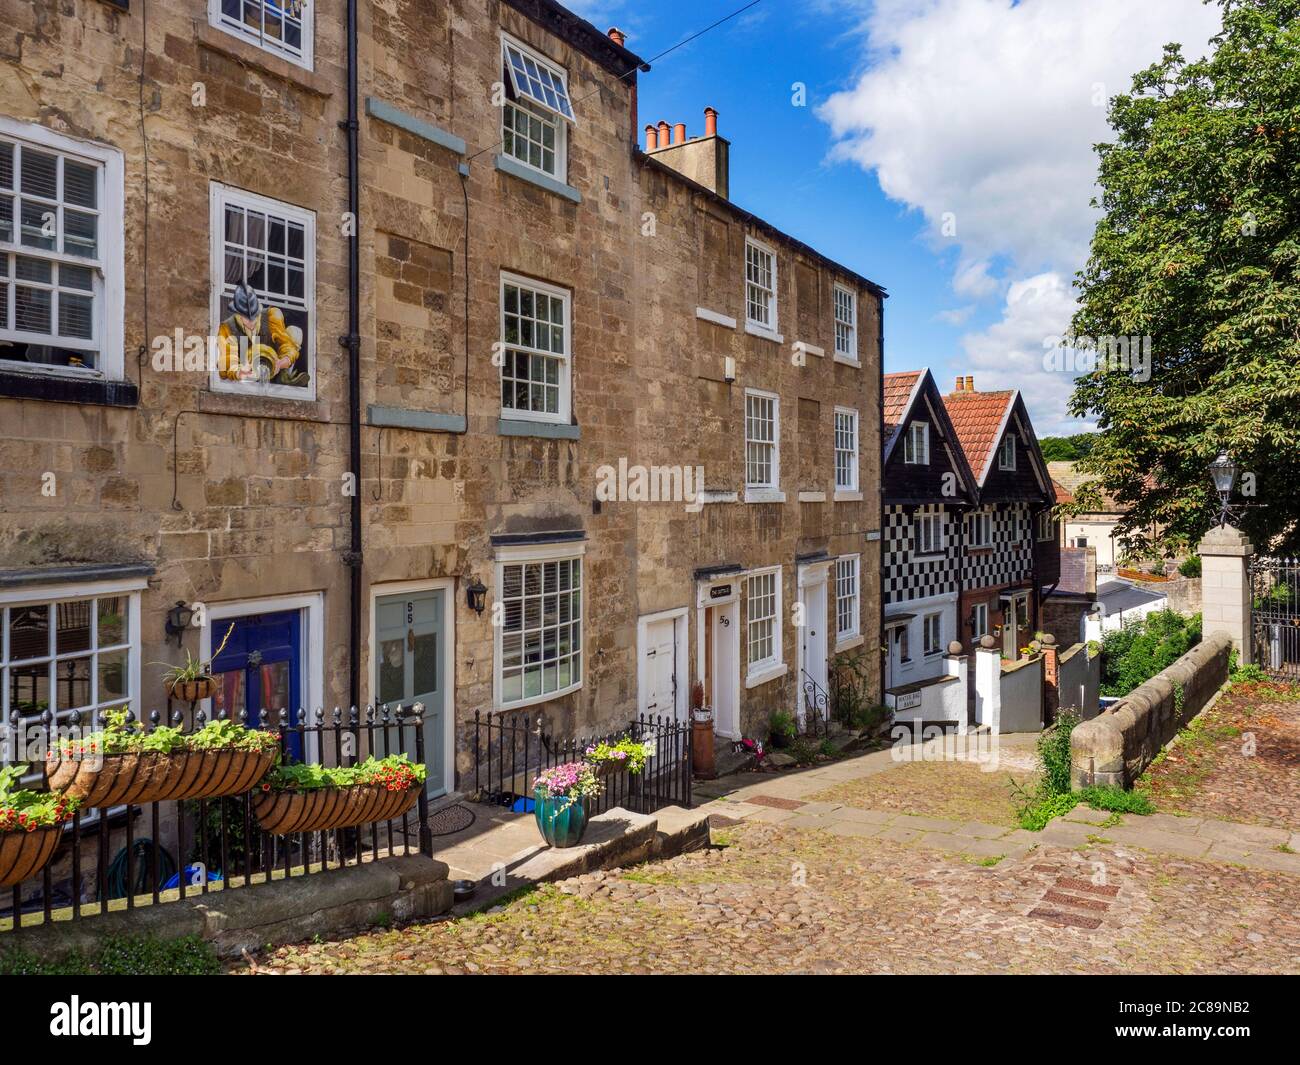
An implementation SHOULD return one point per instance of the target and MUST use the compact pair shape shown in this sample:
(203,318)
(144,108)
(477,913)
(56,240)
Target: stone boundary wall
(400,888)
(1117,745)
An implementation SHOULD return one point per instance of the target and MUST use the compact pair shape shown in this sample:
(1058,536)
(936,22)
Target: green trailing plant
(396,772)
(1054,753)
(122,735)
(23,810)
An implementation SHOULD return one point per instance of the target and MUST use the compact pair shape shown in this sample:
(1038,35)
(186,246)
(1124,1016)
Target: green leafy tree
(1066,448)
(1199,249)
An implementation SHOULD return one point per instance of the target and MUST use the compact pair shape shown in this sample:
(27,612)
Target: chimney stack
(704,160)
(651,138)
(617,36)
(960,381)
(710,122)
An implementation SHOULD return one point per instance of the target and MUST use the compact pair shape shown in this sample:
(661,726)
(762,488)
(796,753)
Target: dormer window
(916,445)
(537,111)
(1007,452)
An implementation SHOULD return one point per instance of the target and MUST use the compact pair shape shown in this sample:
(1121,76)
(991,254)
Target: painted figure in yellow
(254,343)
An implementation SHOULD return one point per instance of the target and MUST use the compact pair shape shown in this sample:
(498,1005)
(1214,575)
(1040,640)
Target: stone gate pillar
(1225,587)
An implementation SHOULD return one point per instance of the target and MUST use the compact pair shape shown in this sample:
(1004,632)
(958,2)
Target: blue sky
(944,150)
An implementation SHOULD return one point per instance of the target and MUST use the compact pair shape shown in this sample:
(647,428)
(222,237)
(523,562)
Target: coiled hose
(142,852)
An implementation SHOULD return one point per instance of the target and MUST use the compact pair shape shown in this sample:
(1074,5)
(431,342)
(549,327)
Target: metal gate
(1275,616)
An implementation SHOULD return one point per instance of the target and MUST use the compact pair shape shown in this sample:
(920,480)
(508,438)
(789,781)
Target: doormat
(450,820)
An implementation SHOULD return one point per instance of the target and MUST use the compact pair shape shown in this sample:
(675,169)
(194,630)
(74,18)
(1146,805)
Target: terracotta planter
(24,854)
(114,779)
(282,813)
(191,691)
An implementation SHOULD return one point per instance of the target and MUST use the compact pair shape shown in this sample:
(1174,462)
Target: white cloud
(981,115)
(956,315)
(1010,353)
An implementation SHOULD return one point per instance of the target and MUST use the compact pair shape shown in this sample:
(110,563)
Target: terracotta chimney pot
(665,134)
(651,137)
(710,122)
(970,383)
(617,36)
(679,133)
(960,379)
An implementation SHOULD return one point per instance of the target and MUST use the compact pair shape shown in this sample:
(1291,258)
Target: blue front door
(259,670)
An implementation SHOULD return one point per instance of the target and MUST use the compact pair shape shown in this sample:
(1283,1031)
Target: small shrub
(782,728)
(1136,653)
(1036,814)
(1248,674)
(1117,800)
(1190,567)
(1054,753)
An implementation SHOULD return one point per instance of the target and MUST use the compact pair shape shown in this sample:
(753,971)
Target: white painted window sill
(843,496)
(716,317)
(764,495)
(812,497)
(850,642)
(845,360)
(763,332)
(710,495)
(767,673)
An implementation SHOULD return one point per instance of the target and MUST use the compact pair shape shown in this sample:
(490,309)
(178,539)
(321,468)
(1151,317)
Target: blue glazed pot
(560,821)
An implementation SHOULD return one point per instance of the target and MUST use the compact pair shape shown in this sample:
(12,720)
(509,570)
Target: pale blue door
(410,669)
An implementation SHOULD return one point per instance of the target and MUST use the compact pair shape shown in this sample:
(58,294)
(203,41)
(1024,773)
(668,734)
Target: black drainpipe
(883,653)
(352,341)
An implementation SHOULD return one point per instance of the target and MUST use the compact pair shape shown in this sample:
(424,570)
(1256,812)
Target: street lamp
(1224,471)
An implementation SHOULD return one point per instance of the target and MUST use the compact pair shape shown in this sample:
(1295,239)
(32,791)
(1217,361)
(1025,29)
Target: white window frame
(538,554)
(851,415)
(846,320)
(979,620)
(928,649)
(129,589)
(304,58)
(220,196)
(981,520)
(548,116)
(848,589)
(916,444)
(928,532)
(110,284)
(752,324)
(769,490)
(1007,452)
(757,670)
(565,358)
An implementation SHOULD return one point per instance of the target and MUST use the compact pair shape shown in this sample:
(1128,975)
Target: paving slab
(1155,840)
(899,834)
(807,821)
(1256,858)
(1241,835)
(1068,833)
(771,816)
(819,809)
(981,831)
(926,824)
(976,848)
(1186,826)
(866,817)
(853,828)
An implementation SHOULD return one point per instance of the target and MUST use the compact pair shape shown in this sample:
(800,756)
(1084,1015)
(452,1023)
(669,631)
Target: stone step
(680,830)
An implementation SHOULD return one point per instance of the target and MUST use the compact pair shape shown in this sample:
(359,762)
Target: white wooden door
(660,667)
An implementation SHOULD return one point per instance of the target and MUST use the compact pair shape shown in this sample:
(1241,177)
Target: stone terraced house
(970,541)
(493,409)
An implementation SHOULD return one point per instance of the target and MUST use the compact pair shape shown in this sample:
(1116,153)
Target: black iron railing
(512,750)
(130,856)
(1275,616)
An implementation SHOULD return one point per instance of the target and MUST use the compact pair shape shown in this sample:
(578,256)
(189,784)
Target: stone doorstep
(403,888)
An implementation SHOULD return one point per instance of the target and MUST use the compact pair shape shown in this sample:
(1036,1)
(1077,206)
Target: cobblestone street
(854,867)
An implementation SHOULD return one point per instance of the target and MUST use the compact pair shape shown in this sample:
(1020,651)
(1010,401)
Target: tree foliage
(1066,448)
(1199,249)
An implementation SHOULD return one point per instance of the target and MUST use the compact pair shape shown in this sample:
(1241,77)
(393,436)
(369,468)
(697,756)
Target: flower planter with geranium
(559,802)
(316,798)
(31,825)
(122,763)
